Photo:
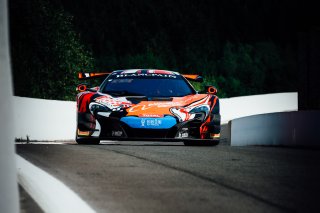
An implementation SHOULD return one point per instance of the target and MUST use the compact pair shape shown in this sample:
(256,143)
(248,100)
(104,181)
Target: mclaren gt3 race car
(147,105)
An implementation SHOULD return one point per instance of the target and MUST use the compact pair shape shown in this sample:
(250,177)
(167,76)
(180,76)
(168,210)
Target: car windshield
(150,86)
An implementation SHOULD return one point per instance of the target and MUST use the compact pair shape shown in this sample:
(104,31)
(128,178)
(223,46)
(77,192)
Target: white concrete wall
(237,107)
(283,128)
(44,119)
(56,120)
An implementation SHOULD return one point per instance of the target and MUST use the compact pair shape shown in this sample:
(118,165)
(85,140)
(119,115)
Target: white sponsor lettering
(116,133)
(150,115)
(151,122)
(145,74)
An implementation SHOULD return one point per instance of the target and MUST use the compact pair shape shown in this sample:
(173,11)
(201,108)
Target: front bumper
(113,128)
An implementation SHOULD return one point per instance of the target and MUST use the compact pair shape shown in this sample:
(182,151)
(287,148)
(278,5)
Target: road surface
(170,177)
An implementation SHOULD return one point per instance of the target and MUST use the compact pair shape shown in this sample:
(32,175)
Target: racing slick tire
(88,141)
(201,143)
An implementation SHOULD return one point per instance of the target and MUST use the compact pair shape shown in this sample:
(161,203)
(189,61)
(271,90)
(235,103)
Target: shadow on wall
(299,128)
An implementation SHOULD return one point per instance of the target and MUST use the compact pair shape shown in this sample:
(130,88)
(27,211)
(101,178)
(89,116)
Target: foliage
(241,47)
(46,52)
(243,69)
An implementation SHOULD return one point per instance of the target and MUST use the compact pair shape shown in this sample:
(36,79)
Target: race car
(145,104)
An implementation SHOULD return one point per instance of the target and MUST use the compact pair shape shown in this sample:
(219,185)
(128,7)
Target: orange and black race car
(147,104)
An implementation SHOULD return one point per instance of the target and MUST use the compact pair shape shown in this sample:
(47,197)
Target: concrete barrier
(277,129)
(40,119)
(237,107)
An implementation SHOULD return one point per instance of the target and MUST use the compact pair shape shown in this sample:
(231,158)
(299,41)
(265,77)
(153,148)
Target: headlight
(203,108)
(201,111)
(197,113)
(95,108)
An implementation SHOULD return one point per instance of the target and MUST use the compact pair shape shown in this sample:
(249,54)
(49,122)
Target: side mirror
(81,88)
(93,89)
(211,90)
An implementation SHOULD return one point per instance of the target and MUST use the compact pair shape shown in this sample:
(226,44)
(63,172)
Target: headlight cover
(204,109)
(96,108)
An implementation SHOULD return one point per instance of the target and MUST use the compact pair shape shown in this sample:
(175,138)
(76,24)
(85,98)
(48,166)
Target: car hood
(145,108)
(141,107)
(160,108)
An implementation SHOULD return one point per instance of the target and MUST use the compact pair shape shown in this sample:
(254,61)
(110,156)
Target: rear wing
(87,75)
(192,77)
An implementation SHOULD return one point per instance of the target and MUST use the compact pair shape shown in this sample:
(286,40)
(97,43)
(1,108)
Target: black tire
(88,141)
(83,121)
(201,143)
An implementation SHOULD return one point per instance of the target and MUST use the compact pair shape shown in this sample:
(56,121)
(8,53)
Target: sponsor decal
(159,104)
(162,72)
(117,133)
(180,107)
(183,133)
(151,122)
(145,75)
(150,116)
(143,107)
(113,103)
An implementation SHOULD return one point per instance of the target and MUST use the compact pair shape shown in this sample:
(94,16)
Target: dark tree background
(241,46)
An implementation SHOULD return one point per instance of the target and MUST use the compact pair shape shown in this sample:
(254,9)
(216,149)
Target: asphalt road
(170,177)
